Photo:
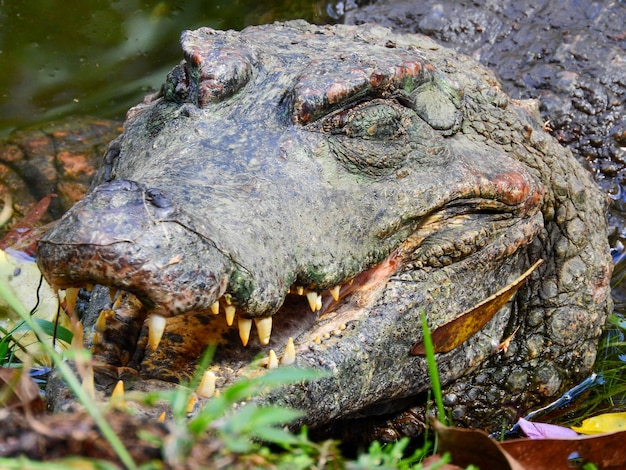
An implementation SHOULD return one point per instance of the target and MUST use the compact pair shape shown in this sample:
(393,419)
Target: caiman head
(327,184)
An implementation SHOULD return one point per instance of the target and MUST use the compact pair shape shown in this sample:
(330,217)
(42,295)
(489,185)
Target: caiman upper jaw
(120,237)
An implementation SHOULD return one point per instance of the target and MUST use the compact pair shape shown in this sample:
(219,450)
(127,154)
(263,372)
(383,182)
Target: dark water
(96,57)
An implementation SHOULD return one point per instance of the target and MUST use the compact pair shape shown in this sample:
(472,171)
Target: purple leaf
(545,431)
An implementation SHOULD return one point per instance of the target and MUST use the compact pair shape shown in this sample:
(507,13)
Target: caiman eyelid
(375,120)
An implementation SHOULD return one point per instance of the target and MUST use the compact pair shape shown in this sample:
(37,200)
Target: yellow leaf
(22,279)
(456,332)
(608,422)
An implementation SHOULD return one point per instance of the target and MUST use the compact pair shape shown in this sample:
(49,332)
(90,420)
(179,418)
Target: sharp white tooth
(264,329)
(272,360)
(77,338)
(335,292)
(215,307)
(101,322)
(230,314)
(88,385)
(118,302)
(70,299)
(117,396)
(245,325)
(206,389)
(289,355)
(156,327)
(191,404)
(300,290)
(318,303)
(112,292)
(311,296)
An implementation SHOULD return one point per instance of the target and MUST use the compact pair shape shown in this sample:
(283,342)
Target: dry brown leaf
(18,389)
(606,451)
(473,447)
(24,235)
(456,332)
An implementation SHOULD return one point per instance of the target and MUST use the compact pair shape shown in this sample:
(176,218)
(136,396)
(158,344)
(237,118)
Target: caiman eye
(374,120)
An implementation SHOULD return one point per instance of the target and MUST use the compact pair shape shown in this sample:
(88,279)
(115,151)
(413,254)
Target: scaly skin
(59,158)
(567,54)
(293,155)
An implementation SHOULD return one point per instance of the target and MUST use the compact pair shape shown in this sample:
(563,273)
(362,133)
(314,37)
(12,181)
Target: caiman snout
(124,236)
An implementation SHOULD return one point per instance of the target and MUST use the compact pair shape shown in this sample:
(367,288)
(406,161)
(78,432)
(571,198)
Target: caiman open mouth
(127,336)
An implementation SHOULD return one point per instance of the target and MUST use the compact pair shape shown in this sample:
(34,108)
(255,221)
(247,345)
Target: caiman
(328,184)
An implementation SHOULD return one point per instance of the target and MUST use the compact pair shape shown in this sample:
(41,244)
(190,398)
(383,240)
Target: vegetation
(235,436)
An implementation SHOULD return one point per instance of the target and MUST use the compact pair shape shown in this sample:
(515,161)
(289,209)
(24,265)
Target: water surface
(100,57)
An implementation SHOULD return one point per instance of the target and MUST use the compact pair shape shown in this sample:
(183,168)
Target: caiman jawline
(320,302)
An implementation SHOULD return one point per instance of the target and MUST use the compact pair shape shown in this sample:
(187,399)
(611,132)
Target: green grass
(252,436)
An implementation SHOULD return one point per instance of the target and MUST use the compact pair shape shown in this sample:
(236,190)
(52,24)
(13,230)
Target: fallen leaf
(18,389)
(608,422)
(544,430)
(472,447)
(456,332)
(606,451)
(22,279)
(23,235)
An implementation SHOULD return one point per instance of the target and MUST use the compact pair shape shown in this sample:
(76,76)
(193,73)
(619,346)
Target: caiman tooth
(118,302)
(191,404)
(230,314)
(318,303)
(300,290)
(156,327)
(71,293)
(77,338)
(215,307)
(264,329)
(206,388)
(245,325)
(161,418)
(311,296)
(117,396)
(88,384)
(101,322)
(335,292)
(272,360)
(289,355)
(112,293)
